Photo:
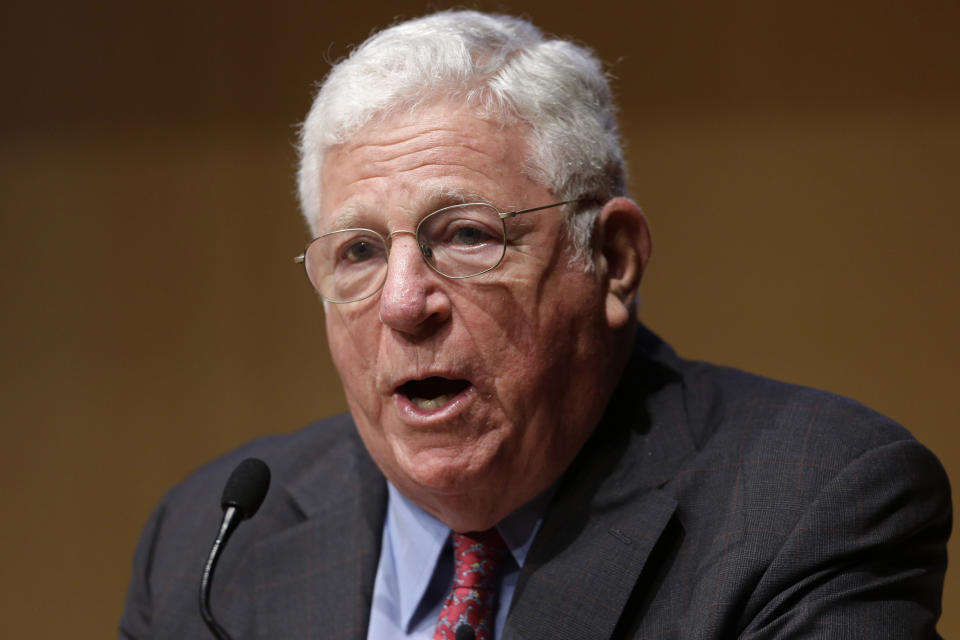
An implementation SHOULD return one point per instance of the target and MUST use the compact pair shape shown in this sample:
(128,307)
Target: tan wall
(797,161)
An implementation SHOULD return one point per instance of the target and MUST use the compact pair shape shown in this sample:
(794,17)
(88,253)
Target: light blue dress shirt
(416,568)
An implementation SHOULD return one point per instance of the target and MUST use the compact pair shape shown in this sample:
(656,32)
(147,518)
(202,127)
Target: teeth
(432,403)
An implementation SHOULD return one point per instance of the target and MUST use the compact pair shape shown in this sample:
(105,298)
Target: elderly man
(521,460)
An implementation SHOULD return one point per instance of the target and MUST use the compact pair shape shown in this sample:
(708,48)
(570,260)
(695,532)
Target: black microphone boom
(242,496)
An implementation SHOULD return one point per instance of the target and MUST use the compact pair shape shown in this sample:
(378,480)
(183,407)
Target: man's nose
(412,299)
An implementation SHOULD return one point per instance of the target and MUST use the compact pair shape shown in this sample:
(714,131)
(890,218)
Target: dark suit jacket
(709,503)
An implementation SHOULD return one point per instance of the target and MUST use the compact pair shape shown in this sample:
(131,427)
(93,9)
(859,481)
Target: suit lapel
(609,511)
(577,588)
(315,579)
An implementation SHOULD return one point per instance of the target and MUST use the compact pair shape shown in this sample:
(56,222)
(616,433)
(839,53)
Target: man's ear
(623,242)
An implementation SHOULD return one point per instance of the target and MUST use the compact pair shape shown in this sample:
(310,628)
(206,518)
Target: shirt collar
(418,539)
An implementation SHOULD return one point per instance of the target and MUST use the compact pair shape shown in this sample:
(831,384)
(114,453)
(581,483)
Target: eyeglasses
(459,241)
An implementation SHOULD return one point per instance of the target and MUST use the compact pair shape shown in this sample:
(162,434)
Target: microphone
(242,496)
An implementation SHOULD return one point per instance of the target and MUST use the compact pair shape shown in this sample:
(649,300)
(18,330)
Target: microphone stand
(231,518)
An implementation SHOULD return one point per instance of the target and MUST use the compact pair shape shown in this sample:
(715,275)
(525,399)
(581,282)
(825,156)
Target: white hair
(503,68)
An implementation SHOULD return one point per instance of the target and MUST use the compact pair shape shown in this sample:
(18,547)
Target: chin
(442,471)
(449,474)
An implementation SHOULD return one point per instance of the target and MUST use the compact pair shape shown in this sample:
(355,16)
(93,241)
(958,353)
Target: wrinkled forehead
(423,159)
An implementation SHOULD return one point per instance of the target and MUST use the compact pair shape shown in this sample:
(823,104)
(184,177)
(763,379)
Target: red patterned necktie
(476,557)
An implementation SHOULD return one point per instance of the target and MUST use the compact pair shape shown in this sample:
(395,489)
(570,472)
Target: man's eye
(469,236)
(465,234)
(360,250)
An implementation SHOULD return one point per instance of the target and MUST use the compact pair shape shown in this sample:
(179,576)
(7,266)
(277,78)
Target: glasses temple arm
(510,214)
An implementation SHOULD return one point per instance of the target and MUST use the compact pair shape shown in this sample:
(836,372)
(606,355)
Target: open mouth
(434,392)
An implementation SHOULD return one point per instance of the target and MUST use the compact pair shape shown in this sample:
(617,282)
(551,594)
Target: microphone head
(247,487)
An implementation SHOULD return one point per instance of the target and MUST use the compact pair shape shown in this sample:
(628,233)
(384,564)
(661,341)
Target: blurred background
(797,161)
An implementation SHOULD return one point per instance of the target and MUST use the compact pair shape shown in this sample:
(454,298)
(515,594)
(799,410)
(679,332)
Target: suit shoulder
(789,499)
(774,443)
(173,546)
(719,398)
(795,496)
(333,440)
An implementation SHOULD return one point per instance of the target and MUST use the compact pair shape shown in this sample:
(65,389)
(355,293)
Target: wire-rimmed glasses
(459,241)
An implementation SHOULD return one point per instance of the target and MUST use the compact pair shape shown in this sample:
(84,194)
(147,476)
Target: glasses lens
(463,240)
(347,265)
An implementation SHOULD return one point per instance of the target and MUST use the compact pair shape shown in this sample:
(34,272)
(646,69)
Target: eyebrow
(449,196)
(346,218)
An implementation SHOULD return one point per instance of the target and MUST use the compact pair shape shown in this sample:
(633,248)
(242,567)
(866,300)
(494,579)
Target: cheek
(507,335)
(349,342)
